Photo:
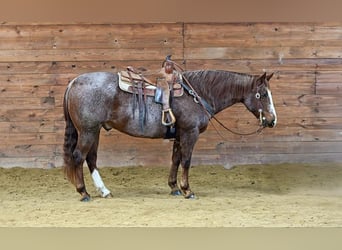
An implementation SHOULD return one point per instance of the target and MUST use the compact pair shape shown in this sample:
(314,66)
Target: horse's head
(259,101)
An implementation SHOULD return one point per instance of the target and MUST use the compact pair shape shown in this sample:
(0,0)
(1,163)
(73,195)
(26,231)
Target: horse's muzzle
(270,124)
(267,120)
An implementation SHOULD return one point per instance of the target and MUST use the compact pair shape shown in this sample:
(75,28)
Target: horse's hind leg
(84,144)
(176,158)
(91,161)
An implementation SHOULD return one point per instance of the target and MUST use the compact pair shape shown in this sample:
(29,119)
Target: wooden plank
(78,67)
(229,161)
(12,90)
(329,89)
(329,64)
(27,150)
(260,41)
(281,147)
(20,115)
(261,34)
(22,81)
(91,41)
(320,122)
(67,30)
(46,102)
(29,127)
(29,139)
(89,55)
(329,76)
(279,53)
(86,36)
(291,134)
(329,83)
(246,34)
(327,111)
(255,66)
(307,100)
(30,162)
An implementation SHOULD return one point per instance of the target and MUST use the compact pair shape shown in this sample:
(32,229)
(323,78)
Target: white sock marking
(99,183)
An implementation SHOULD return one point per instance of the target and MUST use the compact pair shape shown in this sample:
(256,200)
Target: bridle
(258,131)
(207,108)
(258,96)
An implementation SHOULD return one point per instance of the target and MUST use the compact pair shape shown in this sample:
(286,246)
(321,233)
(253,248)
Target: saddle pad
(150,90)
(126,86)
(136,77)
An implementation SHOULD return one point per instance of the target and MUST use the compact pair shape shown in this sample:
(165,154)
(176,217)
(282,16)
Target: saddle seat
(128,80)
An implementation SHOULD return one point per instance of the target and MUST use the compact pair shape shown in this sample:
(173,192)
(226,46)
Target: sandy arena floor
(286,195)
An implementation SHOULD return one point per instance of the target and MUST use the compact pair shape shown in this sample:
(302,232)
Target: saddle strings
(258,131)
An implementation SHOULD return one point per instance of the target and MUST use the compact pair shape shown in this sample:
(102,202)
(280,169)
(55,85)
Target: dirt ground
(286,195)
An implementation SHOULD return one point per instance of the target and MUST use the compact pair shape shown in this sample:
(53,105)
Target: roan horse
(93,101)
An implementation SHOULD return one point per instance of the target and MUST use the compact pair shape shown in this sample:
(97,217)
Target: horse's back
(95,80)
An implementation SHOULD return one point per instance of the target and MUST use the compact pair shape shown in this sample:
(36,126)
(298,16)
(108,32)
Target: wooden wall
(38,60)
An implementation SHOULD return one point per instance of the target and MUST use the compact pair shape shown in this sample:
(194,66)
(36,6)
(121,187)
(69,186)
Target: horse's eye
(257,95)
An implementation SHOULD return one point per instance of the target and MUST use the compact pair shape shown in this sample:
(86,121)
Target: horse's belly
(147,130)
(135,124)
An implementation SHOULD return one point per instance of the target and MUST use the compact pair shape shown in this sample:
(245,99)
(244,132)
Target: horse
(93,101)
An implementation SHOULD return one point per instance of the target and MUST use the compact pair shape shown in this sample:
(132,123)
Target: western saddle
(163,89)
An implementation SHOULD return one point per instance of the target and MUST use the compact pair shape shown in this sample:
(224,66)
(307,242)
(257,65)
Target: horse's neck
(227,99)
(225,93)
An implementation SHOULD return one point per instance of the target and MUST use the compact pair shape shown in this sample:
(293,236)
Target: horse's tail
(70,141)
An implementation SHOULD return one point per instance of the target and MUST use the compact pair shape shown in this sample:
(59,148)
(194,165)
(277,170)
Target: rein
(258,131)
(207,107)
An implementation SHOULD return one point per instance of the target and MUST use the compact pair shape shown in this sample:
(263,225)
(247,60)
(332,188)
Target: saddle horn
(168,65)
(167,58)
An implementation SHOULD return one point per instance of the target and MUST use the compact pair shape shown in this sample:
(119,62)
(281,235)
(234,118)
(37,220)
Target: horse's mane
(216,84)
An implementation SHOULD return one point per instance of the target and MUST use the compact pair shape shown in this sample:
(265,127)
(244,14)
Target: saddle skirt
(150,88)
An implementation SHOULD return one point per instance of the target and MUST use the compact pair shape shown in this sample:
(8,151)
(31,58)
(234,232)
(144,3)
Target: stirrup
(164,117)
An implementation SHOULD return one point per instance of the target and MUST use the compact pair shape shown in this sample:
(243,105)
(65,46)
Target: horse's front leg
(176,159)
(187,144)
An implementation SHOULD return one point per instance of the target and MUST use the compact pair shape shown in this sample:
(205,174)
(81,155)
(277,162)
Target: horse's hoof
(176,193)
(85,198)
(108,196)
(190,196)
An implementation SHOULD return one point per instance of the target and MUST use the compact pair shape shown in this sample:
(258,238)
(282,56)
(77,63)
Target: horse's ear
(261,79)
(270,76)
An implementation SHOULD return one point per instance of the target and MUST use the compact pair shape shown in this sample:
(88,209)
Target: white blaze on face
(271,107)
